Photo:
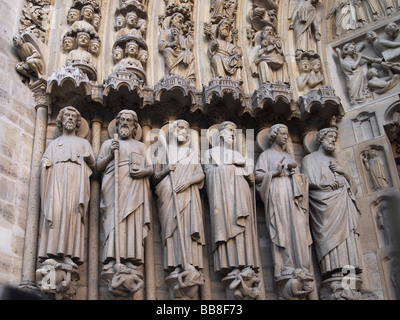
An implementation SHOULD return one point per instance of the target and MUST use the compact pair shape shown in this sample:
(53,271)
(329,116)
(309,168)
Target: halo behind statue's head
(112,128)
(83,127)
(264,142)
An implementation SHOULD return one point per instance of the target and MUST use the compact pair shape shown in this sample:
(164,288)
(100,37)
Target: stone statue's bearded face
(329,142)
(228,134)
(181,132)
(127,126)
(69,120)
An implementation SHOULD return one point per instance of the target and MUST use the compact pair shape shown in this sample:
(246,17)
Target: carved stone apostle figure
(133,200)
(284,191)
(65,191)
(232,211)
(334,215)
(178,181)
(306,25)
(31,65)
(376,167)
(177,48)
(225,56)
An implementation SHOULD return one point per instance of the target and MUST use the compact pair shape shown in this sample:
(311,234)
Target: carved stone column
(150,272)
(94,214)
(33,207)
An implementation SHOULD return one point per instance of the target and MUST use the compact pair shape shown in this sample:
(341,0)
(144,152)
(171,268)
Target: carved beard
(328,146)
(125,132)
(69,126)
(224,32)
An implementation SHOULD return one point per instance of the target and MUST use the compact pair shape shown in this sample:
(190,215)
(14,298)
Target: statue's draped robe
(65,193)
(179,60)
(133,201)
(304,19)
(286,208)
(226,60)
(334,216)
(189,208)
(232,214)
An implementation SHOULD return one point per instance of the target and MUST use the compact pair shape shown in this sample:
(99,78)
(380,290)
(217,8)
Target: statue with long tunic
(177,47)
(334,214)
(224,54)
(177,186)
(306,25)
(66,167)
(126,214)
(284,191)
(232,211)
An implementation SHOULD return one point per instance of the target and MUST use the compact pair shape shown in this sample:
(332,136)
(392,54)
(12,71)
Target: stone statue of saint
(232,210)
(306,25)
(269,62)
(226,57)
(31,65)
(177,184)
(376,167)
(284,191)
(133,198)
(177,48)
(345,12)
(65,191)
(334,214)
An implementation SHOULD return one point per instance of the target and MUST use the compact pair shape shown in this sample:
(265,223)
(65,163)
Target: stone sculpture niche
(375,167)
(125,205)
(287,215)
(66,167)
(233,223)
(178,178)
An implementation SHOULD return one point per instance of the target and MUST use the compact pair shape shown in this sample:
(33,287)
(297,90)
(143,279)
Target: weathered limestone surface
(306,64)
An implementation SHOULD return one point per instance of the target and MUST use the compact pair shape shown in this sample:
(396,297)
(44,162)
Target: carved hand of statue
(251,179)
(292,168)
(335,185)
(47,163)
(279,170)
(182,187)
(139,173)
(239,162)
(114,146)
(336,168)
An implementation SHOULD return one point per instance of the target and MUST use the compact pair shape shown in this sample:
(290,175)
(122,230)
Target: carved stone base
(295,286)
(58,277)
(341,288)
(243,285)
(123,280)
(184,285)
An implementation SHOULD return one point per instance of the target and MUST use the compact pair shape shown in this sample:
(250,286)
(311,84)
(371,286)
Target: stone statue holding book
(124,241)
